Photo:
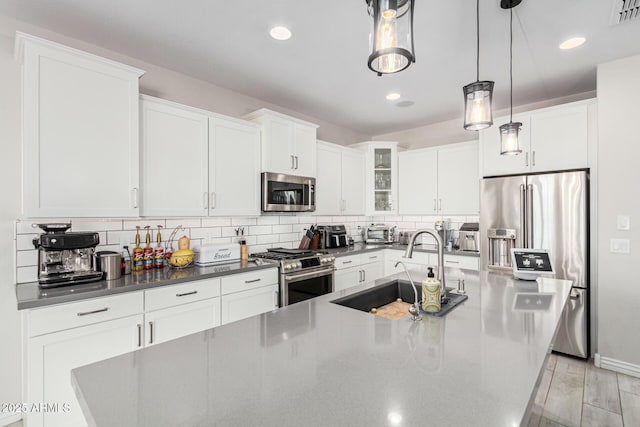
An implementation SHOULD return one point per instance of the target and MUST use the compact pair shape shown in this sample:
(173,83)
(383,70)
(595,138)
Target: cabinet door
(353,183)
(80,135)
(175,164)
(51,357)
(328,181)
(234,168)
(277,139)
(494,163)
(458,180)
(559,139)
(418,182)
(303,148)
(249,303)
(347,278)
(175,322)
(372,272)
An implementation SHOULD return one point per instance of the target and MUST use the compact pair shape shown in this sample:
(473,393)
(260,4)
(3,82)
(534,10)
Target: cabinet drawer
(422,258)
(370,257)
(245,281)
(455,261)
(169,296)
(73,315)
(348,261)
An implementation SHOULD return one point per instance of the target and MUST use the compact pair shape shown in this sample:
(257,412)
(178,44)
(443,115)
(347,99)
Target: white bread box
(211,254)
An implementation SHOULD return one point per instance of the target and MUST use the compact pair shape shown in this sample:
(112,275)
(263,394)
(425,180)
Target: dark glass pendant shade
(391,35)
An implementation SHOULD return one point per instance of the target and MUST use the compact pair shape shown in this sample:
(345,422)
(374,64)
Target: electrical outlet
(620,246)
(624,222)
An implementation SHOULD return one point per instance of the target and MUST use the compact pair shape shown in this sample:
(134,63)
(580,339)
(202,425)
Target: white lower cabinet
(357,269)
(248,294)
(179,321)
(249,303)
(86,335)
(422,259)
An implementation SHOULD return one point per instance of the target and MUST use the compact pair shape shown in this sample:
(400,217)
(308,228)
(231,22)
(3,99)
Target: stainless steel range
(304,274)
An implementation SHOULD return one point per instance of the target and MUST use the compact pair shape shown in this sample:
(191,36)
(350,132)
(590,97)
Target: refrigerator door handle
(523,215)
(529,216)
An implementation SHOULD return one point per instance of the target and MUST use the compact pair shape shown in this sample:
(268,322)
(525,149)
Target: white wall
(10,354)
(618,180)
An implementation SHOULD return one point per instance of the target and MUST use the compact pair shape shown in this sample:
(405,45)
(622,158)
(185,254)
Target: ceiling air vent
(625,11)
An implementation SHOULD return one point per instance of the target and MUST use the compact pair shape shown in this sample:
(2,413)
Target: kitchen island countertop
(316,363)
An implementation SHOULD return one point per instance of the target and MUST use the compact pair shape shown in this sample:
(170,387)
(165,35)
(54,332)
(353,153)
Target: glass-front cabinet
(382,176)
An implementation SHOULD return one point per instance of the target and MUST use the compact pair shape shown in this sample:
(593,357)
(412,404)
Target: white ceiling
(322,72)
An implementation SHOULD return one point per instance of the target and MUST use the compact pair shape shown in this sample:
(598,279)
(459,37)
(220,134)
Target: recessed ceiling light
(571,43)
(280,33)
(393,96)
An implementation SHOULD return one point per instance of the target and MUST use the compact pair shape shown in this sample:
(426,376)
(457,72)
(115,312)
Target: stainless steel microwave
(288,193)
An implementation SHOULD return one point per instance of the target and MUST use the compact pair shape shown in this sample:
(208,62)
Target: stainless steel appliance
(304,274)
(65,258)
(288,193)
(543,211)
(468,237)
(333,236)
(379,234)
(404,237)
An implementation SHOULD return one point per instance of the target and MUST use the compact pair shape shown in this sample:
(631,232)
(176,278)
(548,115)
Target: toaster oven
(379,233)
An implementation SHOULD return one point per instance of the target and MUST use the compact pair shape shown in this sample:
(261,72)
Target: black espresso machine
(66,258)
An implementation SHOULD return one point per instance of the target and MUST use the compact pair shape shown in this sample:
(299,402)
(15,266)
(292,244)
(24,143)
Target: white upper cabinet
(80,132)
(381,176)
(353,182)
(340,184)
(288,144)
(197,163)
(175,166)
(494,163)
(234,167)
(459,179)
(439,180)
(554,138)
(418,182)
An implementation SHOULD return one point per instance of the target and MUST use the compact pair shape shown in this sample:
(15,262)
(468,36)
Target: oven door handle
(309,275)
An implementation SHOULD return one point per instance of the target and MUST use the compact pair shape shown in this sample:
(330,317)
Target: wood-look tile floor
(576,393)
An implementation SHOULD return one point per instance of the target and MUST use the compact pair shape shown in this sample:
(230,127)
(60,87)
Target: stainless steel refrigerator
(543,211)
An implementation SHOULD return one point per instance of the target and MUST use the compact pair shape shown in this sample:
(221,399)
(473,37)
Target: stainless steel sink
(387,293)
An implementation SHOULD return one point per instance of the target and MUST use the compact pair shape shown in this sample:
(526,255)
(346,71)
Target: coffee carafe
(65,258)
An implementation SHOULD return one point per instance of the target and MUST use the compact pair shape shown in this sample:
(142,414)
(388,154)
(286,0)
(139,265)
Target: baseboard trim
(6,419)
(617,365)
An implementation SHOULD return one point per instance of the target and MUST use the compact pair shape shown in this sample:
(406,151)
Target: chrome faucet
(440,247)
(414,310)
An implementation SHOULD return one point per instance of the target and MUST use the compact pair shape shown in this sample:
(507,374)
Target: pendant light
(509,132)
(478,96)
(391,36)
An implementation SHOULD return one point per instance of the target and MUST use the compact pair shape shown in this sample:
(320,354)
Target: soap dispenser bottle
(431,293)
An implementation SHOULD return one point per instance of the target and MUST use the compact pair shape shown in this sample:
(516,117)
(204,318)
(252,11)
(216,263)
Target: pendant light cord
(477,40)
(511,64)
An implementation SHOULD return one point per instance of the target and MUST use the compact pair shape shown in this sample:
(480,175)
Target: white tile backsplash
(261,233)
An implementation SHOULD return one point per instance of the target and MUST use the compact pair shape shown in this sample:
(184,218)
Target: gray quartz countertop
(29,295)
(316,363)
(363,247)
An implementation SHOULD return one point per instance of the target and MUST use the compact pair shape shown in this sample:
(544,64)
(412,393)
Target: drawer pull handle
(453,262)
(139,335)
(150,332)
(187,293)
(253,281)
(347,262)
(85,313)
(373,257)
